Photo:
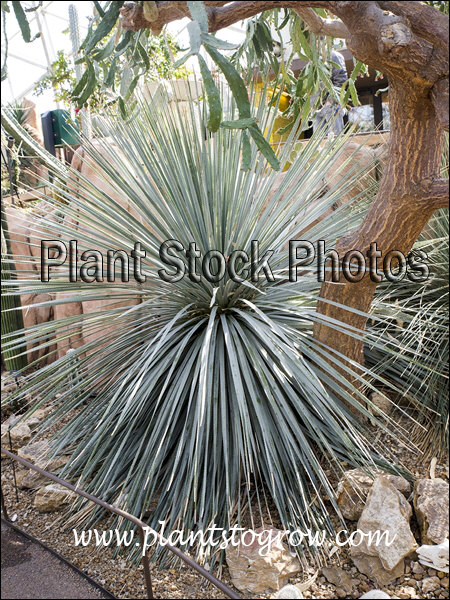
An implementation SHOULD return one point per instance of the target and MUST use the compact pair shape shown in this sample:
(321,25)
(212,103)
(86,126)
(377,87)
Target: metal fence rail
(142,527)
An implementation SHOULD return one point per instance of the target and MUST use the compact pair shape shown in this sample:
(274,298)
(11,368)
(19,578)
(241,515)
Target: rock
(32,480)
(26,229)
(381,402)
(407,592)
(10,420)
(430,584)
(37,453)
(375,595)
(11,382)
(20,435)
(400,483)
(289,591)
(339,578)
(352,153)
(431,506)
(259,566)
(20,475)
(386,511)
(8,385)
(37,417)
(53,496)
(352,492)
(353,489)
(28,479)
(417,568)
(435,557)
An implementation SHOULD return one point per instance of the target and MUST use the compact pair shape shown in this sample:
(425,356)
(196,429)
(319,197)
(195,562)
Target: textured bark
(411,188)
(397,216)
(409,42)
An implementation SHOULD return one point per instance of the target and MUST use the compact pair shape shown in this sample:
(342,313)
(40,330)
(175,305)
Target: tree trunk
(409,192)
(397,216)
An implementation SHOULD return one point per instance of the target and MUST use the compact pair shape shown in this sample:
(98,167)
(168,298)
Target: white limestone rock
(354,487)
(431,505)
(386,510)
(434,556)
(51,497)
(257,572)
(289,591)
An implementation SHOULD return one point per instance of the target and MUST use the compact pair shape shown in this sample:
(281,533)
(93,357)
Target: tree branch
(319,26)
(384,35)
(133,18)
(384,40)
(133,14)
(224,16)
(426,22)
(434,193)
(220,14)
(438,197)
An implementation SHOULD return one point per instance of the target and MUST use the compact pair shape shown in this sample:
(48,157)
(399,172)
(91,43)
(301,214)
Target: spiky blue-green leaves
(198,402)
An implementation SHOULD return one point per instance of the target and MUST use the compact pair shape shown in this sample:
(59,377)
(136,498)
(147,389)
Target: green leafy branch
(199,36)
(116,60)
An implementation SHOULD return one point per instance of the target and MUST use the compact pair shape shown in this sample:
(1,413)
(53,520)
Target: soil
(126,580)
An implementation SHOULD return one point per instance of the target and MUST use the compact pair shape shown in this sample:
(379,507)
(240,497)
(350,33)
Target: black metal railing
(142,527)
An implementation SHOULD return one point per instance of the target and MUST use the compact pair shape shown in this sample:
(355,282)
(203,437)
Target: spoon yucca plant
(419,326)
(201,401)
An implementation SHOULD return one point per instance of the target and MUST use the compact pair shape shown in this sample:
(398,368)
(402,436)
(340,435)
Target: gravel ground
(126,581)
